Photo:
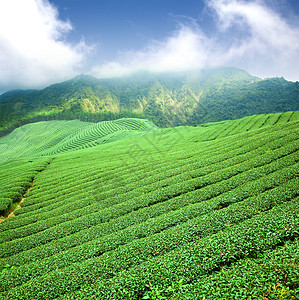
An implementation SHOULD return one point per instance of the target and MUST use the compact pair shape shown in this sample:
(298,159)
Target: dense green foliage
(263,276)
(185,98)
(16,177)
(15,93)
(199,212)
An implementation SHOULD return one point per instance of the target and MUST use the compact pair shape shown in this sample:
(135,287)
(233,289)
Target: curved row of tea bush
(92,135)
(51,137)
(248,124)
(15,180)
(34,138)
(55,136)
(159,193)
(259,233)
(194,203)
(140,182)
(218,220)
(50,192)
(132,218)
(272,274)
(191,261)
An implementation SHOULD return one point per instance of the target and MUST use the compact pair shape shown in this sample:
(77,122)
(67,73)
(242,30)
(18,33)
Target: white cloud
(188,48)
(249,34)
(32,49)
(271,46)
(266,45)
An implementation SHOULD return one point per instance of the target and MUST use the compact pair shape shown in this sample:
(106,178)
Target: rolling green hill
(51,137)
(168,99)
(191,212)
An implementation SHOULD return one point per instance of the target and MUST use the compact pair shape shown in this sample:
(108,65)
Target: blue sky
(47,41)
(114,25)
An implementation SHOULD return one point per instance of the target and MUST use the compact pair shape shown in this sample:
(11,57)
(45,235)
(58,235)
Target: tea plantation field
(52,137)
(125,210)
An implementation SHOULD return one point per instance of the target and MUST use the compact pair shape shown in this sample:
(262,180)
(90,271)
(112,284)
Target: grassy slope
(183,213)
(46,138)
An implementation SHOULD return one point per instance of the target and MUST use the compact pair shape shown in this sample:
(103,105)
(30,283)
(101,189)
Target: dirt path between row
(12,213)
(12,210)
(16,205)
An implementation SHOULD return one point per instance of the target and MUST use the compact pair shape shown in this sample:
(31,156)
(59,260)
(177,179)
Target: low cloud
(188,48)
(270,44)
(33,51)
(249,35)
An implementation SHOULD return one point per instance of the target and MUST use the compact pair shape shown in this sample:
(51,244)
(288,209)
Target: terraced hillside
(46,138)
(206,212)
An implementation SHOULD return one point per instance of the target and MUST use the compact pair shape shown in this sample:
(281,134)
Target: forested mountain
(168,99)
(15,93)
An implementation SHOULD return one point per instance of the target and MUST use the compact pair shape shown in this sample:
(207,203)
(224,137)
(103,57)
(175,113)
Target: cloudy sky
(47,41)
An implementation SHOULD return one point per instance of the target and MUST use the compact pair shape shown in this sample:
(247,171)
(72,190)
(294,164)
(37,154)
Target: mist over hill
(168,99)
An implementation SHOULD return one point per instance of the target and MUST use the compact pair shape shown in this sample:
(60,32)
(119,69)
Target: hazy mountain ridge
(16,93)
(169,99)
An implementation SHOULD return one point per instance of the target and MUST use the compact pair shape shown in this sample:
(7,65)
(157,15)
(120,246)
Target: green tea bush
(272,274)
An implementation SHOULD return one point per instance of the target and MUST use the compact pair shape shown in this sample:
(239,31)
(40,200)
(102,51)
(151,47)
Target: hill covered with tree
(168,99)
